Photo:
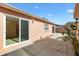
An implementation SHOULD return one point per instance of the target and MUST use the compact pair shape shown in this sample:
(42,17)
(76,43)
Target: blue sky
(59,13)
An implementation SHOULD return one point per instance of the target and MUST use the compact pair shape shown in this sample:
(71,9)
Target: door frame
(4,25)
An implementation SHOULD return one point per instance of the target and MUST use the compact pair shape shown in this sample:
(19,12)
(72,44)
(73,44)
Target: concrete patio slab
(19,52)
(38,46)
(48,47)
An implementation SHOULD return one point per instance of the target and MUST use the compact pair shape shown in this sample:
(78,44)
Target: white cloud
(70,10)
(49,14)
(36,6)
(71,16)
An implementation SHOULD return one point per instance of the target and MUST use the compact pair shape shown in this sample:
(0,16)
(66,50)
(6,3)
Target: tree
(71,35)
(69,31)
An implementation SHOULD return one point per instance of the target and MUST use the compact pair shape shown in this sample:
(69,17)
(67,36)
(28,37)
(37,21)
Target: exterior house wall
(1,30)
(76,10)
(76,15)
(36,30)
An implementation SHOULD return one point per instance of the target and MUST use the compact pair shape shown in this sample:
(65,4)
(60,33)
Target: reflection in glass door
(24,30)
(12,30)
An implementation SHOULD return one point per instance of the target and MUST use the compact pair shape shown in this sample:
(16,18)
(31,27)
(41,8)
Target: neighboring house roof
(7,6)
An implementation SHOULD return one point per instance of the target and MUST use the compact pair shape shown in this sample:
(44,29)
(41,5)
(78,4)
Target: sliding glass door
(17,30)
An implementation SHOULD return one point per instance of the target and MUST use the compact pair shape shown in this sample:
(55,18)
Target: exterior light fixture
(77,20)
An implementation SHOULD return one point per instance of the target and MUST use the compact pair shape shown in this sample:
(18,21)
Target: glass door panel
(12,30)
(24,30)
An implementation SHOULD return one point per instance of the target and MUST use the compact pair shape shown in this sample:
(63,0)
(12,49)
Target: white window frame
(46,25)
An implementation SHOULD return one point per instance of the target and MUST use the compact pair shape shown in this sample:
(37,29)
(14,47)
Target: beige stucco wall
(1,30)
(36,31)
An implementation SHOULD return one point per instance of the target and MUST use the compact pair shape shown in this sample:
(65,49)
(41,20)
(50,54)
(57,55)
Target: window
(46,27)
